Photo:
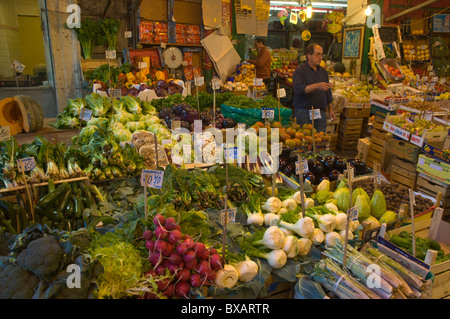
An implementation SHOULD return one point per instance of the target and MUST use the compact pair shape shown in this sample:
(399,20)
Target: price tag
(85,115)
(128,34)
(152,179)
(115,93)
(413,52)
(412,197)
(281,93)
(378,178)
(229,215)
(434,79)
(351,174)
(110,54)
(416,140)
(316,115)
(26,164)
(5,133)
(215,85)
(18,67)
(442,81)
(267,113)
(353,213)
(303,58)
(425,78)
(301,167)
(241,126)
(231,153)
(430,68)
(199,80)
(142,65)
(257,82)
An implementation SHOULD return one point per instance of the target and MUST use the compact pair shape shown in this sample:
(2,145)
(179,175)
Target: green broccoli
(42,257)
(16,282)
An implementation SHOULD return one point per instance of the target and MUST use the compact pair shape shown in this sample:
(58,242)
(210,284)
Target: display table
(50,133)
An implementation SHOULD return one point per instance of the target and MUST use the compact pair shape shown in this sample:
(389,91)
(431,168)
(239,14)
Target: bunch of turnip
(190,262)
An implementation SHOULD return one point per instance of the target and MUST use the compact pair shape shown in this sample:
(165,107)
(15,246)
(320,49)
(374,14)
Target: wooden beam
(424,4)
(108,5)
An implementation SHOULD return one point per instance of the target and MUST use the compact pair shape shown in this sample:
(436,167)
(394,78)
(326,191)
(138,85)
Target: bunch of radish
(190,262)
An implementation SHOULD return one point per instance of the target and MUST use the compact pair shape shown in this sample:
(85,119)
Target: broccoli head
(42,257)
(16,282)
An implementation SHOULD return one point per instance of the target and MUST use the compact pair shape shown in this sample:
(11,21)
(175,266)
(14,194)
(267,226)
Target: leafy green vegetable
(110,28)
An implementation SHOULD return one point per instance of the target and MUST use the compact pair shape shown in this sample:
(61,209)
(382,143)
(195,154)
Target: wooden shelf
(172,44)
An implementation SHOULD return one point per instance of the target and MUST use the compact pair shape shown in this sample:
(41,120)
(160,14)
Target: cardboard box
(436,149)
(402,149)
(363,148)
(434,168)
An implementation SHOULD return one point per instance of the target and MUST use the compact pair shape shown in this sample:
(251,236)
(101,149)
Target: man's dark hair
(260,40)
(310,48)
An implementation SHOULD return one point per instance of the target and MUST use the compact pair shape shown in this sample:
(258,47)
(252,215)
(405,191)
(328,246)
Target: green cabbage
(132,104)
(98,104)
(378,204)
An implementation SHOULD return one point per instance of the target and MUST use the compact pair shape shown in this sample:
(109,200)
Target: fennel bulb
(287,232)
(289,204)
(277,258)
(272,205)
(271,219)
(309,203)
(290,246)
(298,197)
(332,207)
(317,237)
(326,222)
(304,227)
(247,269)
(256,218)
(282,211)
(342,234)
(304,246)
(341,221)
(273,238)
(332,238)
(353,225)
(227,277)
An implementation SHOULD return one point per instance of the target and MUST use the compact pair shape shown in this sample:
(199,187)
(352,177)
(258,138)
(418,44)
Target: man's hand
(331,114)
(323,86)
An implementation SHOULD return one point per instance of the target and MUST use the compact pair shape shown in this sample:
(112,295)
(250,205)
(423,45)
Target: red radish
(182,289)
(186,236)
(172,267)
(212,251)
(149,295)
(199,248)
(181,249)
(211,276)
(177,227)
(203,268)
(150,273)
(195,280)
(159,220)
(169,291)
(150,245)
(160,270)
(161,232)
(216,262)
(190,265)
(169,248)
(163,283)
(160,245)
(154,257)
(189,256)
(189,242)
(170,223)
(174,236)
(184,274)
(175,258)
(148,234)
(205,255)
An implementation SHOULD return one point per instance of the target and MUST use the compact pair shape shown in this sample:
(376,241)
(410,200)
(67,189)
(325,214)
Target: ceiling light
(309,12)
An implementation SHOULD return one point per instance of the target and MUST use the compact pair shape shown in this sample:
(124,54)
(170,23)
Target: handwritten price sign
(316,114)
(152,179)
(199,80)
(26,164)
(18,67)
(301,167)
(229,214)
(85,115)
(110,54)
(5,133)
(353,213)
(268,113)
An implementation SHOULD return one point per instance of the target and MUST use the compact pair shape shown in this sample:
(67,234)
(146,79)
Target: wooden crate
(403,173)
(92,64)
(430,186)
(333,142)
(439,230)
(347,145)
(376,151)
(333,126)
(356,112)
(350,126)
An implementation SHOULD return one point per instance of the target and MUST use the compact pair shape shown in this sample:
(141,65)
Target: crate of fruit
(392,69)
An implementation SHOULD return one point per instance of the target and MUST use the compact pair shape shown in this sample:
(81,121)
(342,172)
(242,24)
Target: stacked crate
(377,140)
(332,131)
(350,127)
(431,186)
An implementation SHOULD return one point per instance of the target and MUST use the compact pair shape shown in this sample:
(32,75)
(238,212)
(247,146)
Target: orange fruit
(298,142)
(260,124)
(284,137)
(291,131)
(299,135)
(290,143)
(307,132)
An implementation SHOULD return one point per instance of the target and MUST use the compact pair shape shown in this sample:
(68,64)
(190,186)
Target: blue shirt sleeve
(329,94)
(299,82)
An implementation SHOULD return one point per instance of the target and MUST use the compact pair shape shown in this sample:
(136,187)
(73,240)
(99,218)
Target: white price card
(115,93)
(316,115)
(430,67)
(26,164)
(85,114)
(5,133)
(128,34)
(425,78)
(351,174)
(215,85)
(229,215)
(110,54)
(230,153)
(353,213)
(18,67)
(293,18)
(378,178)
(267,113)
(301,167)
(281,93)
(199,80)
(152,178)
(257,82)
(142,65)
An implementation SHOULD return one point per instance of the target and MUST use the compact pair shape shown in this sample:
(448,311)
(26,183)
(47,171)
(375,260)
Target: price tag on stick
(152,178)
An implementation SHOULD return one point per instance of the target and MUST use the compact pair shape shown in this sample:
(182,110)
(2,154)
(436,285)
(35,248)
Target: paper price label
(430,67)
(351,174)
(425,78)
(142,65)
(165,142)
(128,34)
(5,133)
(303,58)
(281,93)
(412,197)
(85,115)
(26,164)
(215,85)
(110,54)
(199,80)
(257,82)
(353,213)
(229,215)
(301,167)
(18,67)
(152,179)
(115,93)
(378,178)
(230,153)
(434,79)
(316,114)
(267,113)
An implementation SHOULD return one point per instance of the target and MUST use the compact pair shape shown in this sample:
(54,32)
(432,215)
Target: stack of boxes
(350,126)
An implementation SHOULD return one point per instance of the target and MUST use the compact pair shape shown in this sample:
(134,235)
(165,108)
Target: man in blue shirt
(312,89)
